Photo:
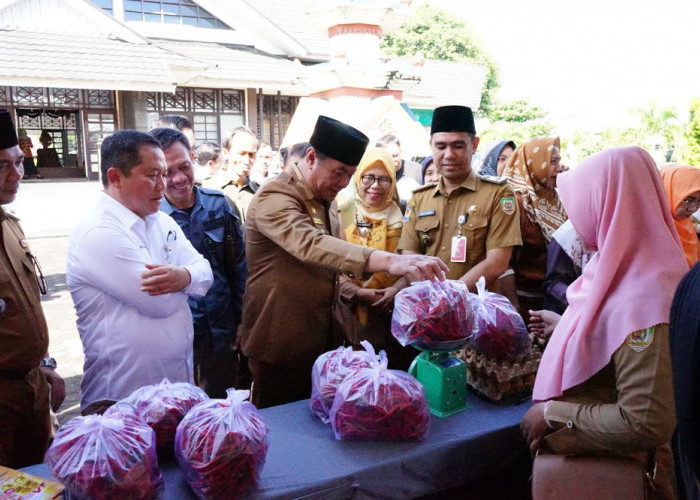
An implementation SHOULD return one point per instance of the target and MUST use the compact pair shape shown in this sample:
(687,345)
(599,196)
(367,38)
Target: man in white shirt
(130,271)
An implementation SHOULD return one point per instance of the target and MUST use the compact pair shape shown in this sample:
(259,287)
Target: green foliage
(437,35)
(516,111)
(692,134)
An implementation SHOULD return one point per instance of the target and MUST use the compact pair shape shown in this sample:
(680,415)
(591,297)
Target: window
(105,5)
(182,12)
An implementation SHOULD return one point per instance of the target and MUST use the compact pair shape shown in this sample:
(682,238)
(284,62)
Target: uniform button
(449,202)
(443,248)
(470,225)
(447,226)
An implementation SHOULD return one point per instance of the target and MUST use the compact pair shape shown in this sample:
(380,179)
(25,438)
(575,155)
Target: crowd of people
(230,266)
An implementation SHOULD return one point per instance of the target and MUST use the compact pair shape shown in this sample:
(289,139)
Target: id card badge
(459,249)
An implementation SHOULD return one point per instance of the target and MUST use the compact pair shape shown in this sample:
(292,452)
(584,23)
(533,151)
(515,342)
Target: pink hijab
(617,203)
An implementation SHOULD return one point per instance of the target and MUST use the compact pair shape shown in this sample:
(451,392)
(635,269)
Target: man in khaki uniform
(27,373)
(295,255)
(470,222)
(240,149)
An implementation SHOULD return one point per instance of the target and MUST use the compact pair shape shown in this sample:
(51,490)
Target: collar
(300,181)
(127,218)
(166,207)
(468,183)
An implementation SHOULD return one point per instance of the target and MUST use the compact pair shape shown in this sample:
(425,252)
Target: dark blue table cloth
(305,460)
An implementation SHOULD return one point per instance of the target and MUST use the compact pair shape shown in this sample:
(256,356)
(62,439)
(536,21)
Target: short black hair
(206,152)
(242,129)
(297,150)
(385,140)
(172,121)
(169,136)
(122,150)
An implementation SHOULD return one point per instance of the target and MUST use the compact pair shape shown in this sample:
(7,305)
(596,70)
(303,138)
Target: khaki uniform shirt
(294,256)
(24,335)
(431,220)
(627,408)
(239,197)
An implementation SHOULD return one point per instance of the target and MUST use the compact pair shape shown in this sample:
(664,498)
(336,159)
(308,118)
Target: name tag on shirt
(458,252)
(427,213)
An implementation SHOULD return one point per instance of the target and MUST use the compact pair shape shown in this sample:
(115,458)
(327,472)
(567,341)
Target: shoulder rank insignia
(493,179)
(639,341)
(508,205)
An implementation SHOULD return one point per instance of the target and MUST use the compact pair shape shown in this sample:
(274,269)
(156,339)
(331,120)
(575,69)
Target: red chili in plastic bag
(430,311)
(329,370)
(500,331)
(221,446)
(163,406)
(380,404)
(102,457)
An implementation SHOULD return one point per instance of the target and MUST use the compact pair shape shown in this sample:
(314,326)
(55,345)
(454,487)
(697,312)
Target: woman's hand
(534,427)
(542,323)
(386,298)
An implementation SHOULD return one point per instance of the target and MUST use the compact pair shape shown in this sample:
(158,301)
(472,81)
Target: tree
(692,134)
(519,111)
(437,35)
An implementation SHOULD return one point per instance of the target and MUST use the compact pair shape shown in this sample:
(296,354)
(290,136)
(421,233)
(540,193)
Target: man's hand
(164,278)
(534,427)
(57,384)
(542,323)
(418,267)
(366,295)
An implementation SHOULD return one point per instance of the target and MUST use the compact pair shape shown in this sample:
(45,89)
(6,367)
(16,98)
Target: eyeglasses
(690,202)
(41,281)
(384,182)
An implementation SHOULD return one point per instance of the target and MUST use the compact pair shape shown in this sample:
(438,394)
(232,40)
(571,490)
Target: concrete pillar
(133,111)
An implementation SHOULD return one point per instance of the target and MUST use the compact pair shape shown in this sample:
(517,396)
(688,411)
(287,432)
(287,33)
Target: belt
(13,375)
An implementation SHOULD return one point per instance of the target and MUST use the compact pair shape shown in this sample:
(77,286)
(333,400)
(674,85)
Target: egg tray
(500,381)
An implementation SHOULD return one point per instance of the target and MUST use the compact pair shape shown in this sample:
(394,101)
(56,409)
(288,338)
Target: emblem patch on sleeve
(639,341)
(508,205)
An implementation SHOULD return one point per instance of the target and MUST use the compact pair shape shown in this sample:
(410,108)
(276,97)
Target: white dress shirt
(130,339)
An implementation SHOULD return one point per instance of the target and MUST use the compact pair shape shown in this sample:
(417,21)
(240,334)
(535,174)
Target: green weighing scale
(444,377)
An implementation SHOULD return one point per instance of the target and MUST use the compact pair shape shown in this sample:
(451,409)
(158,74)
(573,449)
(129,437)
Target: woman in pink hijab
(604,385)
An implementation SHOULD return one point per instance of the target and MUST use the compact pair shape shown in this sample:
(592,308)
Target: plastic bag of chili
(329,370)
(221,446)
(378,404)
(430,311)
(103,457)
(163,406)
(500,331)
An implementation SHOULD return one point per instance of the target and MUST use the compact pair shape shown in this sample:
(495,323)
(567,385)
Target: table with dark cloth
(305,460)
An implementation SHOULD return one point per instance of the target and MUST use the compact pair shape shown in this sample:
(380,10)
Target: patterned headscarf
(527,171)
(681,182)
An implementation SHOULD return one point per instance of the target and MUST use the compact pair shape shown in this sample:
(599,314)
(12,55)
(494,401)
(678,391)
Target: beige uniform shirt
(294,258)
(24,336)
(626,406)
(431,220)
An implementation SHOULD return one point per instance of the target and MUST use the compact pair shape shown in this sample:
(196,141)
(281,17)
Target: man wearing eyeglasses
(469,221)
(29,384)
(295,257)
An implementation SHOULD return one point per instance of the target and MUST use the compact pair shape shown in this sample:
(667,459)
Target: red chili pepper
(380,404)
(221,447)
(103,457)
(329,370)
(163,406)
(432,311)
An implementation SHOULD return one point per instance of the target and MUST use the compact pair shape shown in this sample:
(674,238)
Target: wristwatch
(50,362)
